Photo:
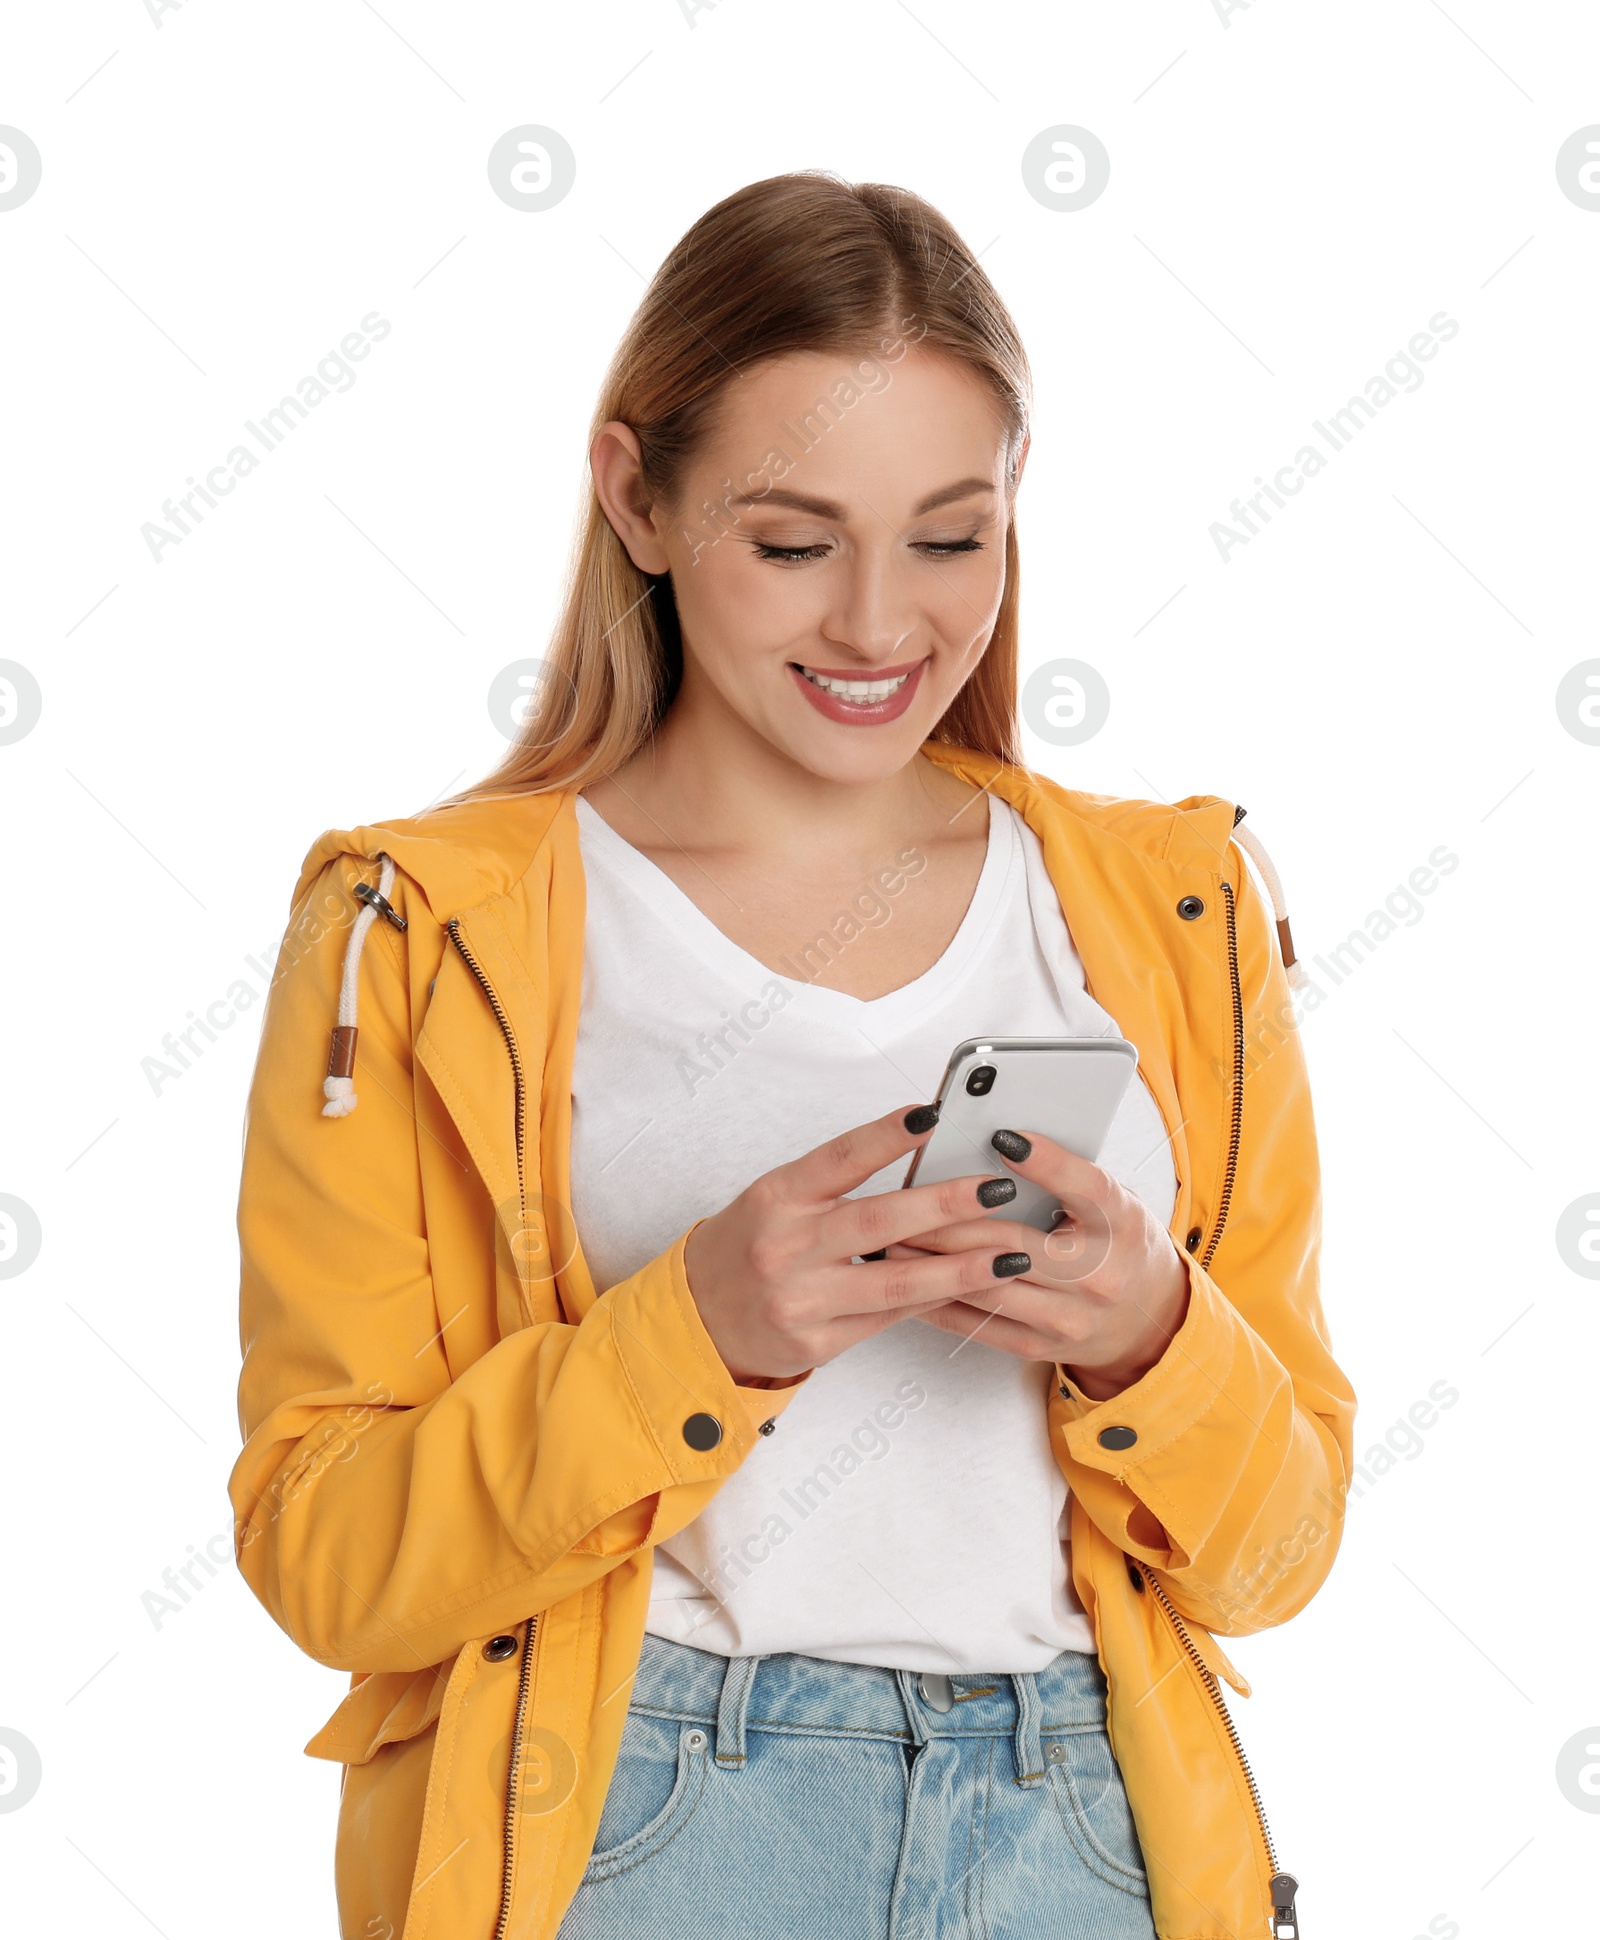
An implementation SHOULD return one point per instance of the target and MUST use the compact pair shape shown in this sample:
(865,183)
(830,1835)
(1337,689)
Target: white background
(1295,190)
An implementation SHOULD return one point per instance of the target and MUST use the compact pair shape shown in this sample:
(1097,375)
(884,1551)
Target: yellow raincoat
(459,1458)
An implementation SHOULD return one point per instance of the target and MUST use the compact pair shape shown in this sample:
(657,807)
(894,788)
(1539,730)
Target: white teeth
(864,691)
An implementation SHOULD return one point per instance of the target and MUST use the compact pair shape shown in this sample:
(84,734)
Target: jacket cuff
(702,1422)
(1128,1430)
(766,1404)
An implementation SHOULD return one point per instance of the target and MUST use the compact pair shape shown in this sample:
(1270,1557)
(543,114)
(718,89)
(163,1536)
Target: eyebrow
(827,508)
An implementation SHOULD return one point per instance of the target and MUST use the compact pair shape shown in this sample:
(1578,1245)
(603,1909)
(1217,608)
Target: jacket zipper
(510,1036)
(1236,1120)
(1282,1886)
(508,1831)
(525,1668)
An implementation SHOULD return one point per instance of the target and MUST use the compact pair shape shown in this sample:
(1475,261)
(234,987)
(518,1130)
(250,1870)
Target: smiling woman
(862,595)
(629,1316)
(870,395)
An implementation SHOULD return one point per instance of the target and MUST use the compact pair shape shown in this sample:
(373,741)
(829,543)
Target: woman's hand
(776,1276)
(1107,1289)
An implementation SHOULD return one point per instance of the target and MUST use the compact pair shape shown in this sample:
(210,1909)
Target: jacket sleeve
(1233,1489)
(385,1512)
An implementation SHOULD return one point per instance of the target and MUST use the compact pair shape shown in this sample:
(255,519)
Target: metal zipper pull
(1285,1923)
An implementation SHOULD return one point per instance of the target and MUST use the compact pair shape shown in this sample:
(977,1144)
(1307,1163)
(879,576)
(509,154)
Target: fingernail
(997,1192)
(881,1254)
(1006,1265)
(922,1118)
(1011,1145)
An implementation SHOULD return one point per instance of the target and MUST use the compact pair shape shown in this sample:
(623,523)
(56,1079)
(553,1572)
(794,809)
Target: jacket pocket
(655,1789)
(1087,1788)
(382,1707)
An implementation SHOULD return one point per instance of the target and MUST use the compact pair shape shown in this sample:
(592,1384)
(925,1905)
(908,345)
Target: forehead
(843,416)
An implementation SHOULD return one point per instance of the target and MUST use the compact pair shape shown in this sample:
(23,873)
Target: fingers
(1000,1331)
(868,1225)
(843,1163)
(903,1285)
(1034,1157)
(1071,1252)
(975,1235)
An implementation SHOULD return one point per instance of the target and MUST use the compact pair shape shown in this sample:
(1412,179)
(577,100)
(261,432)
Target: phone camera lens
(980,1082)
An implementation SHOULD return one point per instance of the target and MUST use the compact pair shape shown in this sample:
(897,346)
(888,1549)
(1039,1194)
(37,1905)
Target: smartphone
(1068,1088)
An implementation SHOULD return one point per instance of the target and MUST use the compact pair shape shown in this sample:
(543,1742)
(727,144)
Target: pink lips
(859,713)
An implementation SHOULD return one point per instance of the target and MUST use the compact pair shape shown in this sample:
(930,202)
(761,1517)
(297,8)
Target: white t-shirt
(907,1509)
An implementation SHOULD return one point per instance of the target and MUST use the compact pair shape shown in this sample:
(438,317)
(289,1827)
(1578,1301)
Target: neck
(713,784)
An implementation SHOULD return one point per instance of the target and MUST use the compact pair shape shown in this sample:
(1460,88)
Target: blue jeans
(791,1798)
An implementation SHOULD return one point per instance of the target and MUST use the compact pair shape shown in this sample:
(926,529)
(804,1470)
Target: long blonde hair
(802,262)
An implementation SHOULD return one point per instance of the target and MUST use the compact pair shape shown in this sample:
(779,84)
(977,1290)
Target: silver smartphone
(1068,1088)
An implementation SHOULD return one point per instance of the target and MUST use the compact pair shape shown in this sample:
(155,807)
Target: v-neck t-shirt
(907,1510)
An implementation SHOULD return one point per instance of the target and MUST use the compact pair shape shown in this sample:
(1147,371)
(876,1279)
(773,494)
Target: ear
(1022,458)
(615,462)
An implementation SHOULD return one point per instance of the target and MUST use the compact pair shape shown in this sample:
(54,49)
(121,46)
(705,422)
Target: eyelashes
(798,555)
(788,555)
(945,549)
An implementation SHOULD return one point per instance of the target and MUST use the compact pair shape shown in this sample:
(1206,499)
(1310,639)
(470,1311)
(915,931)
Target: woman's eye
(788,554)
(944,548)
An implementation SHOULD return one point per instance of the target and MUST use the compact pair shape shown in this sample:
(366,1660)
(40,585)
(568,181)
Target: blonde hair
(802,262)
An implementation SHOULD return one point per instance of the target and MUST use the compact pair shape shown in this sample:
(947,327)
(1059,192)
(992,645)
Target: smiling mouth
(864,693)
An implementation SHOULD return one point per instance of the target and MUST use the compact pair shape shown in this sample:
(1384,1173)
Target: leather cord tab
(342,1051)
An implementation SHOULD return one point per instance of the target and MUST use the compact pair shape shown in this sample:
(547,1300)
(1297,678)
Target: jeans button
(935,1691)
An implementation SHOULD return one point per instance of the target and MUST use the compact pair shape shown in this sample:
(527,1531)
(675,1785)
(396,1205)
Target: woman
(723,1540)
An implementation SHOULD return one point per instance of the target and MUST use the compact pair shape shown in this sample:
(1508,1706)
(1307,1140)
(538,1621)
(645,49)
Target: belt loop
(1029,1749)
(907,1682)
(732,1706)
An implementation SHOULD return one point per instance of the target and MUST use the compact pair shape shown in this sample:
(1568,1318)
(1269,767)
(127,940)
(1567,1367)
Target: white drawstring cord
(339,1085)
(1251,844)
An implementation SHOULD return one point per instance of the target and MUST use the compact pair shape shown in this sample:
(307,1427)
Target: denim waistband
(794,1694)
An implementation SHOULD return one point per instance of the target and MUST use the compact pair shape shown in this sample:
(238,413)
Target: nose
(873,618)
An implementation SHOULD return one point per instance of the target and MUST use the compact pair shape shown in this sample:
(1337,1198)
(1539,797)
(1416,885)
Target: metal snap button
(1117,1437)
(498,1649)
(702,1432)
(1190,907)
(1192,1239)
(767,1427)
(1136,1577)
(936,1691)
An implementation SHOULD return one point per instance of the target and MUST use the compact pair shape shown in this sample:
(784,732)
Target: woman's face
(837,554)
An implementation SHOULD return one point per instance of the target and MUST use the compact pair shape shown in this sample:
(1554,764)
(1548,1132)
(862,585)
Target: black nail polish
(1012,1145)
(881,1254)
(997,1192)
(1008,1265)
(922,1118)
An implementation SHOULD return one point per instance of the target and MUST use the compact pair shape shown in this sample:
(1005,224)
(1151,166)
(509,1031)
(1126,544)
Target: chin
(854,755)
